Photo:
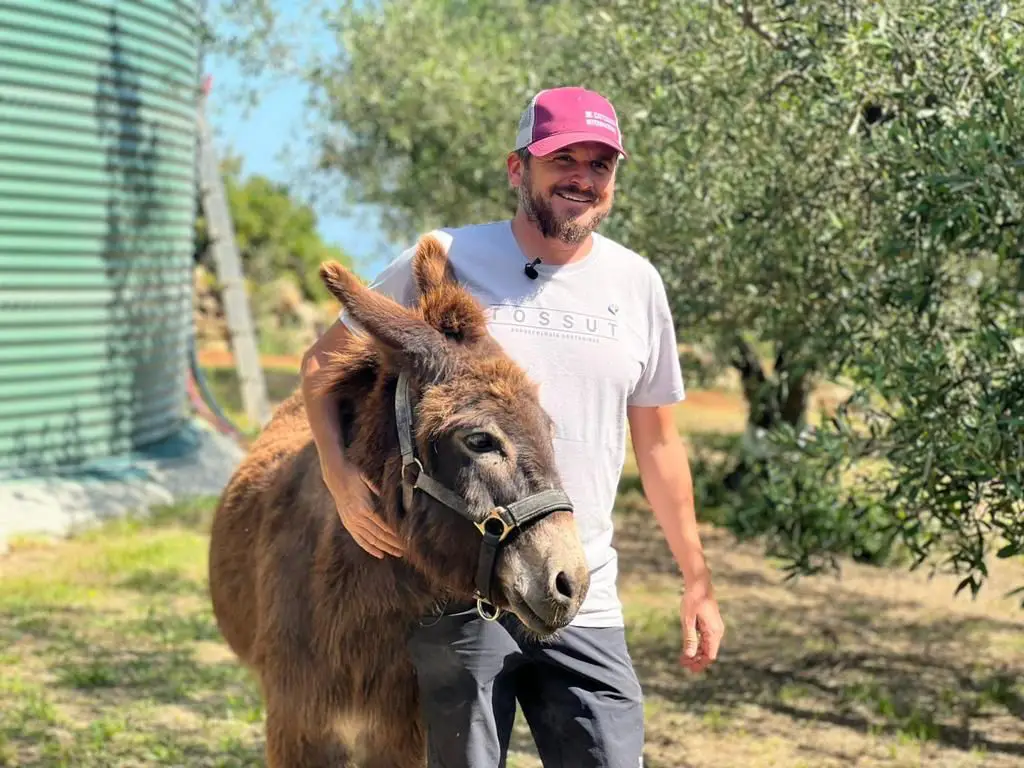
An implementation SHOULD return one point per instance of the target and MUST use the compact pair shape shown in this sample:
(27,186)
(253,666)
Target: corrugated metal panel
(97,172)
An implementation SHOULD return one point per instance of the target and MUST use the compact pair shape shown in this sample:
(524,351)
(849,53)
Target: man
(589,321)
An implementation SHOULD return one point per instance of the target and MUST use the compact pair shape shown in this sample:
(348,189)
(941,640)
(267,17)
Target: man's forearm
(350,489)
(668,485)
(321,409)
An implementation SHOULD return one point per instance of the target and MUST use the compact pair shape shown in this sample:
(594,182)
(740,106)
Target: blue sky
(272,141)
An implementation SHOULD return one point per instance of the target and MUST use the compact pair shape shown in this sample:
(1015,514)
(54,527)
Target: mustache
(575,192)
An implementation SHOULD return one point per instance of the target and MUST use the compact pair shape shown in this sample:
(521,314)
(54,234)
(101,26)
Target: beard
(567,229)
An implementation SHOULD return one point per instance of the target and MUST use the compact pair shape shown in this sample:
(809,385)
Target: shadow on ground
(872,653)
(96,684)
(124,665)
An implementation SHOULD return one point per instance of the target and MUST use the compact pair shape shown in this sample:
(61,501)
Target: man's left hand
(703,627)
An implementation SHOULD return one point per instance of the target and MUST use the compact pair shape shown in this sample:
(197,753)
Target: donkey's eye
(480,442)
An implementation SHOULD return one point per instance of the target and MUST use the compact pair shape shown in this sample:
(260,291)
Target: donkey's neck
(369,434)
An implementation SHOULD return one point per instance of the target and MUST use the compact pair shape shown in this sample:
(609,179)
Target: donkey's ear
(452,311)
(430,266)
(396,326)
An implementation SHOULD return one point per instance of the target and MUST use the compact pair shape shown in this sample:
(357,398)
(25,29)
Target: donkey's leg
(395,737)
(397,742)
(292,743)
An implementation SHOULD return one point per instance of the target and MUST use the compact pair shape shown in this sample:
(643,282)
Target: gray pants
(579,693)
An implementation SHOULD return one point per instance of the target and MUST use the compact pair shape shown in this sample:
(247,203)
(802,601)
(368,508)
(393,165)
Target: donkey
(450,435)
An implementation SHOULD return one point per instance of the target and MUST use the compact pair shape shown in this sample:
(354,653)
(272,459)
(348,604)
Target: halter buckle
(486,526)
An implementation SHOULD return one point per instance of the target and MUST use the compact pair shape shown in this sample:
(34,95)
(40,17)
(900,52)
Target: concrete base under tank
(197,461)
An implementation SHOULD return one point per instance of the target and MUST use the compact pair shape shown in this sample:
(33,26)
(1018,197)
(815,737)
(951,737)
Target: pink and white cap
(557,117)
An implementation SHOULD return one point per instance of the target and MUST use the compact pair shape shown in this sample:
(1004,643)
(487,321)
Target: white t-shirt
(596,336)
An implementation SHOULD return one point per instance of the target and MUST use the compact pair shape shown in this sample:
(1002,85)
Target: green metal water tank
(97,198)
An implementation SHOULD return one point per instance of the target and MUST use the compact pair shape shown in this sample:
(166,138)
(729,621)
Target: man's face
(568,193)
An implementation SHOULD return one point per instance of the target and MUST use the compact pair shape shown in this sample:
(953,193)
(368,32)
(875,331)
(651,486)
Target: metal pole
(228,264)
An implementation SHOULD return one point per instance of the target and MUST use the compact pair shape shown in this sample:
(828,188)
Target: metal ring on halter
(408,465)
(494,517)
(480,602)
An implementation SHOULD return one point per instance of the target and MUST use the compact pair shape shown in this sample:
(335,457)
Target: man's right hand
(356,509)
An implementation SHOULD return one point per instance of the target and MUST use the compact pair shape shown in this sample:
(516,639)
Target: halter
(494,528)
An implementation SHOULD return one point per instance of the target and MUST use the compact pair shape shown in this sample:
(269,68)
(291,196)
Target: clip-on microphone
(531,269)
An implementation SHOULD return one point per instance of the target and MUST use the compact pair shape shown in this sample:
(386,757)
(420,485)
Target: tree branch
(747,17)
(757,389)
(781,80)
(794,406)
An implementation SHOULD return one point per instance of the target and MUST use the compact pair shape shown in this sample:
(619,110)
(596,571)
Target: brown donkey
(451,435)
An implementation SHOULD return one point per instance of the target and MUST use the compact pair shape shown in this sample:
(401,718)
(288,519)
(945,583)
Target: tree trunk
(772,401)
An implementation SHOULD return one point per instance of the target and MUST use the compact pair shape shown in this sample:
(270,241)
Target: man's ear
(516,169)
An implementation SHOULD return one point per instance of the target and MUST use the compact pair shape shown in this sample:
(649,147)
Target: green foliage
(935,342)
(808,507)
(837,183)
(422,106)
(277,235)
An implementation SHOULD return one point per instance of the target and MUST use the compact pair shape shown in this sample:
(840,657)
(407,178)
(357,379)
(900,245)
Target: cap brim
(559,141)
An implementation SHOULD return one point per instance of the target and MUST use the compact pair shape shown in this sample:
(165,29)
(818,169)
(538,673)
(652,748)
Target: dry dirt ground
(877,668)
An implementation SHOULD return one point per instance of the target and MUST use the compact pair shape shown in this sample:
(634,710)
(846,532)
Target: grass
(109,654)
(880,668)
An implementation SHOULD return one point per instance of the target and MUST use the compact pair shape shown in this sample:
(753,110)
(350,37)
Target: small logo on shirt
(613,308)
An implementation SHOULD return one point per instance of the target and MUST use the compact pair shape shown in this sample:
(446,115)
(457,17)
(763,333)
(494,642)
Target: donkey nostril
(563,585)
